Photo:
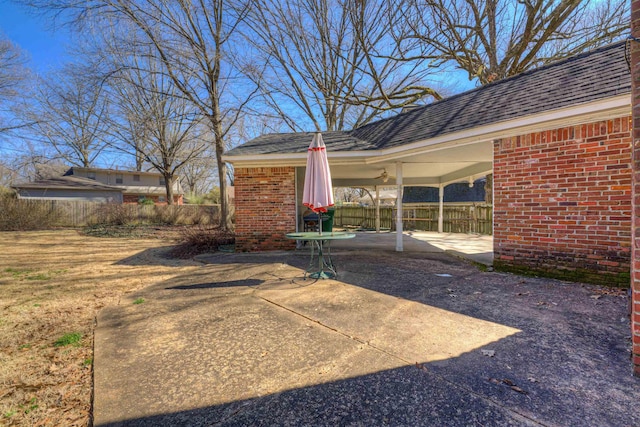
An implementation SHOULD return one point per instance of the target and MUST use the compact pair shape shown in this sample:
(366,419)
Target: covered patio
(557,141)
(474,247)
(432,166)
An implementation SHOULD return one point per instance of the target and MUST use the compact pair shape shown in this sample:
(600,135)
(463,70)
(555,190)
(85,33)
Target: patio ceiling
(431,167)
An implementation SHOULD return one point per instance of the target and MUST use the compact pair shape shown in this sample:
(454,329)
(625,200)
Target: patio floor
(476,247)
(412,338)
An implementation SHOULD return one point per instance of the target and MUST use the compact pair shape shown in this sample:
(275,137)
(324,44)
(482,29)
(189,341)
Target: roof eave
(603,109)
(294,159)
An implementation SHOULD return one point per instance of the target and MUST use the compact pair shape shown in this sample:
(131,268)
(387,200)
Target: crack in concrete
(516,415)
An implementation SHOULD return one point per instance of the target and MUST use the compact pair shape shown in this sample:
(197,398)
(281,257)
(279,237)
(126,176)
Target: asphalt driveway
(407,338)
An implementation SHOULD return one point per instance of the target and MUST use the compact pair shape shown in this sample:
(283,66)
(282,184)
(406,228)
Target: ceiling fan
(384,176)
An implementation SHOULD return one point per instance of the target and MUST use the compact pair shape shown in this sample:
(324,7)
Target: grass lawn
(52,284)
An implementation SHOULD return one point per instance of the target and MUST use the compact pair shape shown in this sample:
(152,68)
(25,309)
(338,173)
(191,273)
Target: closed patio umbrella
(318,191)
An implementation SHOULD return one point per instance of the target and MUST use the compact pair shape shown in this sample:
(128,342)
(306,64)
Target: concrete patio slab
(475,247)
(414,338)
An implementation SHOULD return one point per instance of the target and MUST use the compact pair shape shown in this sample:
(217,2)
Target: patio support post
(377,209)
(399,247)
(440,208)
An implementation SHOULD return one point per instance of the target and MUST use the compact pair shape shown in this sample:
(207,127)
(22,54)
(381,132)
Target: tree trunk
(225,213)
(168,184)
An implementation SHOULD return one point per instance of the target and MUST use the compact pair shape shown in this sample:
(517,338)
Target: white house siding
(133,182)
(71,195)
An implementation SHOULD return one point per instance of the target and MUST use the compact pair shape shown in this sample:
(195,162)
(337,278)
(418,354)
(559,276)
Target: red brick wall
(635,271)
(562,202)
(265,202)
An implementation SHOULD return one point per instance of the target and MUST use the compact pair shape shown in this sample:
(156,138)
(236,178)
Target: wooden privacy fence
(457,217)
(79,214)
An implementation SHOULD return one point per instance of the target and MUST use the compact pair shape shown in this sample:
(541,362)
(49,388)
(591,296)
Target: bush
(168,214)
(22,215)
(114,214)
(195,199)
(200,239)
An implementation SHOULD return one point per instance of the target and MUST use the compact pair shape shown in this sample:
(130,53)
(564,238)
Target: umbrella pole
(320,222)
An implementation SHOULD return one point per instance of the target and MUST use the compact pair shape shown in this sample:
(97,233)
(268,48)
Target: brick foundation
(562,202)
(265,208)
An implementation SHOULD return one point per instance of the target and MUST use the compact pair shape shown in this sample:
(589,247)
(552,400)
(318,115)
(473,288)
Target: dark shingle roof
(299,142)
(67,183)
(599,74)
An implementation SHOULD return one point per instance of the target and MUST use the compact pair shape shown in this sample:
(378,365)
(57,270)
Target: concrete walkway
(412,338)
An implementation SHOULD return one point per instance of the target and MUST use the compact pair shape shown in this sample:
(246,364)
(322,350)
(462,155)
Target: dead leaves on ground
(613,292)
(53,283)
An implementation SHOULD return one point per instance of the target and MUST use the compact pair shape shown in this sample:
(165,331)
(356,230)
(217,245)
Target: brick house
(557,139)
(635,182)
(563,143)
(135,185)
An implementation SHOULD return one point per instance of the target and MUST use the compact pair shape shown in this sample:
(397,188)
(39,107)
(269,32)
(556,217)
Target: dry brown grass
(53,283)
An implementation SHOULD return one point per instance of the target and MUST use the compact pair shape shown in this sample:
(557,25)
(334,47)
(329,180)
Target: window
(119,178)
(91,175)
(161,199)
(136,178)
(162,181)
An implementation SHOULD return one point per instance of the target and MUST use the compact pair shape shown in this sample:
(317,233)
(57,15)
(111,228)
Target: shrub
(114,214)
(201,239)
(168,214)
(21,215)
(195,199)
(197,215)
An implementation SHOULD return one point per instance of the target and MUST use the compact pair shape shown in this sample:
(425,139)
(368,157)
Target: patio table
(320,264)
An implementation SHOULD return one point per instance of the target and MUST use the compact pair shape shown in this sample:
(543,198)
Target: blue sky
(46,48)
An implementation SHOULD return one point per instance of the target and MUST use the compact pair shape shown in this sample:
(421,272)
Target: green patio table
(321,265)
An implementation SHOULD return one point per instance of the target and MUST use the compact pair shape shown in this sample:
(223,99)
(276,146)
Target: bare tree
(495,39)
(13,76)
(329,63)
(197,175)
(353,194)
(152,121)
(69,115)
(190,39)
(9,174)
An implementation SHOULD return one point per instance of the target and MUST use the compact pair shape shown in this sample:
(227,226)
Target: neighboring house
(388,197)
(453,193)
(557,139)
(135,185)
(69,188)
